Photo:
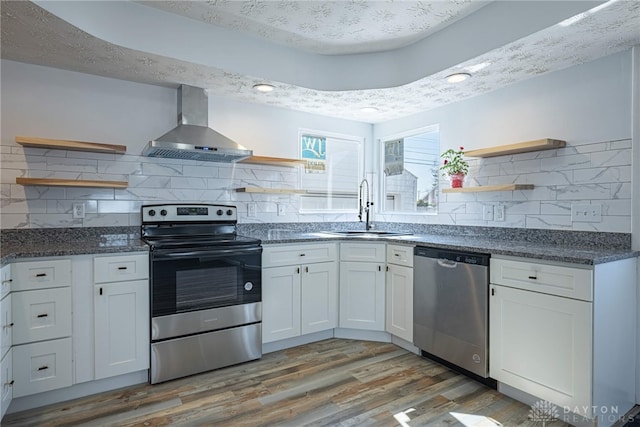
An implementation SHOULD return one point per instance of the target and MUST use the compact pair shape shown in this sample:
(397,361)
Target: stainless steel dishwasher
(450,307)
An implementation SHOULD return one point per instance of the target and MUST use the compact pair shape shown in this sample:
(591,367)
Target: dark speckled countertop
(587,248)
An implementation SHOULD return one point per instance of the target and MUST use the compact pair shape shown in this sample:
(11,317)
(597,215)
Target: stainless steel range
(206,293)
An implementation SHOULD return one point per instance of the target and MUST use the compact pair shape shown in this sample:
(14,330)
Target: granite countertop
(550,252)
(65,242)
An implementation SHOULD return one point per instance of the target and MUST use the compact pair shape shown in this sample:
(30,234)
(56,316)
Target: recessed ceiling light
(458,77)
(369,109)
(263,87)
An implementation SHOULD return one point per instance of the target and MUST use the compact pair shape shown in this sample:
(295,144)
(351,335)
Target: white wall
(588,106)
(50,103)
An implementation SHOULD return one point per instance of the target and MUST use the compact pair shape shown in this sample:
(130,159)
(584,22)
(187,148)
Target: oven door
(192,280)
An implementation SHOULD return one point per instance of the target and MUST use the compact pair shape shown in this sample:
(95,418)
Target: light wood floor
(329,383)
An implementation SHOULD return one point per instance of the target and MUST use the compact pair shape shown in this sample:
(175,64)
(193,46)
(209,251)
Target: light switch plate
(252,210)
(487,212)
(281,209)
(498,213)
(584,212)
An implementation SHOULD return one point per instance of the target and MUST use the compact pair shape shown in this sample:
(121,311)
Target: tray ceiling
(328,58)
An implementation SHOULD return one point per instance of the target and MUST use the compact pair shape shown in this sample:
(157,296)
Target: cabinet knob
(306,269)
(4,282)
(9,384)
(298,270)
(8,325)
(387,268)
(302,254)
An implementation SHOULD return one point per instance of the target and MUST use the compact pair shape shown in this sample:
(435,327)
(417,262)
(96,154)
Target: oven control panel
(188,213)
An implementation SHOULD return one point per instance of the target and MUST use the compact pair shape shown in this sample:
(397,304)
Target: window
(333,173)
(410,172)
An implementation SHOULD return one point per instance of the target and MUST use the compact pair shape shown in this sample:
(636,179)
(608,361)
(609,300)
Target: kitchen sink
(369,233)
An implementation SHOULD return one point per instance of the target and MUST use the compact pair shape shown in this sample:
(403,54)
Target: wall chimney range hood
(193,139)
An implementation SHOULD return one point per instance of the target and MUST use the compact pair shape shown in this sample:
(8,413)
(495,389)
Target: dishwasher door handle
(447,263)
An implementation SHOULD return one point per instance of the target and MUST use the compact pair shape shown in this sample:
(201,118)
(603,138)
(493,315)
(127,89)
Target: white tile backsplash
(586,172)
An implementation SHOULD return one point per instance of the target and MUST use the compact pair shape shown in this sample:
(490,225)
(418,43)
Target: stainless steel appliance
(206,294)
(450,307)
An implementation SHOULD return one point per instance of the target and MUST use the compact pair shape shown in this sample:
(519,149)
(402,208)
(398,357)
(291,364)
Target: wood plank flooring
(335,382)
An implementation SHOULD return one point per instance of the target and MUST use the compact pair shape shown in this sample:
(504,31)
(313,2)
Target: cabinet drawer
(400,255)
(6,325)
(41,315)
(120,268)
(6,382)
(40,274)
(5,280)
(41,366)
(364,252)
(558,280)
(279,255)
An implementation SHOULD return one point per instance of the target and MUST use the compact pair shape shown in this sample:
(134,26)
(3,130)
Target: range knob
(229,212)
(163,212)
(219,212)
(152,212)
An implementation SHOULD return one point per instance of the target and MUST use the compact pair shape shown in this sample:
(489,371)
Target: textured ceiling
(33,35)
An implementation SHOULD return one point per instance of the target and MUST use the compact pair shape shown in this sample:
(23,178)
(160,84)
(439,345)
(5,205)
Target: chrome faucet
(366,206)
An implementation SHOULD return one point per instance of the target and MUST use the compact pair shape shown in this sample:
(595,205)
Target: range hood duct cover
(193,139)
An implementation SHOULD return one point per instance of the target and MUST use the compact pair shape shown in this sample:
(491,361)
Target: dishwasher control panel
(463,257)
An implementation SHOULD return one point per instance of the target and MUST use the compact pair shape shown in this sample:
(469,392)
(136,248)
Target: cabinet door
(6,382)
(541,344)
(280,303)
(319,297)
(399,300)
(6,325)
(362,295)
(121,328)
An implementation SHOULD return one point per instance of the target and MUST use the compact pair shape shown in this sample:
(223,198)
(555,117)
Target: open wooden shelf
(273,161)
(54,182)
(62,144)
(269,190)
(504,187)
(521,147)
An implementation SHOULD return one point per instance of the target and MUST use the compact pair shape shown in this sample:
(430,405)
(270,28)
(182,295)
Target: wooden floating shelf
(274,161)
(269,190)
(71,183)
(61,144)
(521,147)
(505,187)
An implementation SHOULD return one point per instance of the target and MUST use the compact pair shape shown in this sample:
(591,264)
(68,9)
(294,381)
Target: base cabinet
(541,344)
(6,382)
(121,328)
(298,298)
(399,300)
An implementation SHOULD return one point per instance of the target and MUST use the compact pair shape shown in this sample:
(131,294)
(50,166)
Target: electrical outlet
(586,213)
(281,210)
(252,209)
(78,211)
(487,212)
(498,213)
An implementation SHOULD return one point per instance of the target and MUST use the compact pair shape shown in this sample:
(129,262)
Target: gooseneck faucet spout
(364,207)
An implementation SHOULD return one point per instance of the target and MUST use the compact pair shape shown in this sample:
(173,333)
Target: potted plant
(454,166)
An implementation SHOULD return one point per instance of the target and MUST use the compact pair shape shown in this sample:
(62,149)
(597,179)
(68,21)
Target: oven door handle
(209,253)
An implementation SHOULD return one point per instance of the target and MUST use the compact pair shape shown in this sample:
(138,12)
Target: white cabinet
(299,290)
(121,314)
(6,382)
(5,280)
(6,325)
(556,331)
(41,332)
(399,293)
(540,344)
(362,286)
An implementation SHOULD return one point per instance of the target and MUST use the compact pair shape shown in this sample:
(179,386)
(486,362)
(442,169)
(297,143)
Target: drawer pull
(306,269)
(298,270)
(533,277)
(303,254)
(122,268)
(396,254)
(8,325)
(41,275)
(42,315)
(7,281)
(43,368)
(379,268)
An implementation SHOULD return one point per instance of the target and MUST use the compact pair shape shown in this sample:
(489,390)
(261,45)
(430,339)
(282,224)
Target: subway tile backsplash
(597,172)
